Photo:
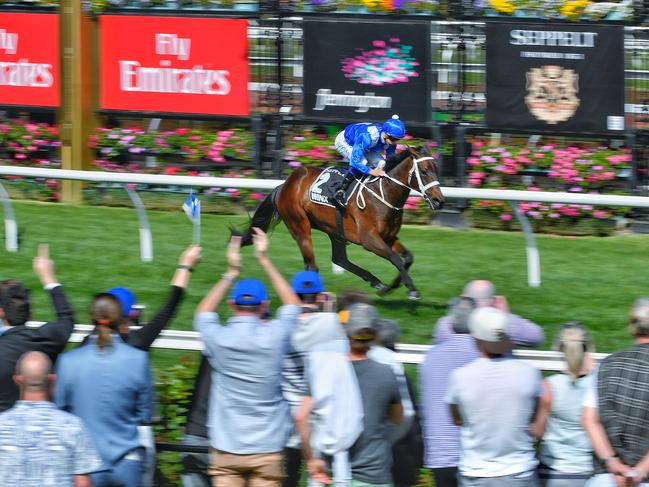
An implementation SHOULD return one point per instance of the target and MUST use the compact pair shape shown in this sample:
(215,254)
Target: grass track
(590,279)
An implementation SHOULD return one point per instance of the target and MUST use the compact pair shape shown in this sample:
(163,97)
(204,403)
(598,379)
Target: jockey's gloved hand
(377,172)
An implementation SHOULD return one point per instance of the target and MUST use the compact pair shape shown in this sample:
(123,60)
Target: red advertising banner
(174,64)
(29,59)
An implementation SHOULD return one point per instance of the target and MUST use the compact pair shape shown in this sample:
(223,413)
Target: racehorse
(372,218)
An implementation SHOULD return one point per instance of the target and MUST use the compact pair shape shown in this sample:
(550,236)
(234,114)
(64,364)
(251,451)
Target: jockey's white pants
(371,159)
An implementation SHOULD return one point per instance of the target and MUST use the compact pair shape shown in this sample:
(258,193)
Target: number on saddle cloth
(324,188)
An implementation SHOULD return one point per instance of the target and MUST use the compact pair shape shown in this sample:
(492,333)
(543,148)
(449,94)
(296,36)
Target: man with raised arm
(249,420)
(17,338)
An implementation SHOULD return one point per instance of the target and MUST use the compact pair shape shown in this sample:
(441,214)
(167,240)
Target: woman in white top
(565,452)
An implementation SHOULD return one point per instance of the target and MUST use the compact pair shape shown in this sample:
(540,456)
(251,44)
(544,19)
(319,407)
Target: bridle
(414,170)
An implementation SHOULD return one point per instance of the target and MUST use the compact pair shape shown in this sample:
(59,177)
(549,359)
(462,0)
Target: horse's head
(424,177)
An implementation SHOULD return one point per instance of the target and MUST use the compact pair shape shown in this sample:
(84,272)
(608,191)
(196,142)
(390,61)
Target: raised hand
(234,252)
(260,241)
(191,256)
(44,266)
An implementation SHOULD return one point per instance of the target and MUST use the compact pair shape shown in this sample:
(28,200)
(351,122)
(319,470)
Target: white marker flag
(192,208)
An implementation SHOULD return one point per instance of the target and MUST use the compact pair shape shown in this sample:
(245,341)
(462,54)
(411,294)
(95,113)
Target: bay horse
(372,218)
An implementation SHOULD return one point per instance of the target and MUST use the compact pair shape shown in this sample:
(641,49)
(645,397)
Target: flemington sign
(174,64)
(367,70)
(29,59)
(555,77)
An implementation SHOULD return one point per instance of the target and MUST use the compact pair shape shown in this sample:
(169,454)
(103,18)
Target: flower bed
(192,152)
(593,169)
(31,145)
(190,145)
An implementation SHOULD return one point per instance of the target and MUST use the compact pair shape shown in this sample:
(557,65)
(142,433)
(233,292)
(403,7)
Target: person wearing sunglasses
(366,146)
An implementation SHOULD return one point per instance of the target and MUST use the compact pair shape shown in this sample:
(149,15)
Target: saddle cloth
(323,189)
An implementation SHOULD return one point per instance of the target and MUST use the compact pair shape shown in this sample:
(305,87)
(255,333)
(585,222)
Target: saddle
(323,189)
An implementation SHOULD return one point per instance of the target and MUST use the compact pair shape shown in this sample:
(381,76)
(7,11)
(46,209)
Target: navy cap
(307,282)
(249,291)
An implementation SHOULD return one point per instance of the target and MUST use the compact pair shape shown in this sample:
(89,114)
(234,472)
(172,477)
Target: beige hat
(489,325)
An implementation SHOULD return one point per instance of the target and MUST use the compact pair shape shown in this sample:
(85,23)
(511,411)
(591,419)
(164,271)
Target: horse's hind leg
(300,228)
(339,257)
(407,257)
(373,242)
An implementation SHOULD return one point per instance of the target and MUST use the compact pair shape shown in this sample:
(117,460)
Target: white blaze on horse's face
(428,186)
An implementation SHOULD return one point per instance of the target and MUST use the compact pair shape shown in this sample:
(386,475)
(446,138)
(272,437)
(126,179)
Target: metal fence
(146,243)
(413,354)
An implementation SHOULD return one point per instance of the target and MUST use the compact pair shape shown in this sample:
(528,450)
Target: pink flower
(601,214)
(505,217)
(472,161)
(257,196)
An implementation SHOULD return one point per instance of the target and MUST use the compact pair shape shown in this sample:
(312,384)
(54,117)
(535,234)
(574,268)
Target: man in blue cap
(249,420)
(317,324)
(366,146)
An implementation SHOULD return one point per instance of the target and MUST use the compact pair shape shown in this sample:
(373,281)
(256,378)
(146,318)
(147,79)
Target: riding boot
(340,194)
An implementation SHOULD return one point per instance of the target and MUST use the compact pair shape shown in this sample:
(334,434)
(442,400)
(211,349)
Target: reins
(360,198)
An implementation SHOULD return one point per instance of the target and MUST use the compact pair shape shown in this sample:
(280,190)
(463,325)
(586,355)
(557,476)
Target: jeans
(195,465)
(524,479)
(607,480)
(148,442)
(127,472)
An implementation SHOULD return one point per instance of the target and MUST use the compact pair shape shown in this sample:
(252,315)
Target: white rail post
(533,259)
(146,240)
(11,229)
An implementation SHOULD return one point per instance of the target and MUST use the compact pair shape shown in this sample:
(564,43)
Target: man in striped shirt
(441,436)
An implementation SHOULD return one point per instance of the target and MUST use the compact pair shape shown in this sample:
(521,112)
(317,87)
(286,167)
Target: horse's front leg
(339,257)
(407,257)
(373,242)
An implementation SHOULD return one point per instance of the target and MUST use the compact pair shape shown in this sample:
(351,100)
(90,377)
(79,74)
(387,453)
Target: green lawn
(589,279)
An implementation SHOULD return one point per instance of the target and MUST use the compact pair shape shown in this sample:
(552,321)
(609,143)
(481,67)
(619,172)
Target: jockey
(363,144)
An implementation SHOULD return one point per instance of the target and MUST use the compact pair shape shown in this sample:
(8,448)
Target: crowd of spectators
(316,391)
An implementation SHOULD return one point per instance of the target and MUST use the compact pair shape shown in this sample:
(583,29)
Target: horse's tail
(265,217)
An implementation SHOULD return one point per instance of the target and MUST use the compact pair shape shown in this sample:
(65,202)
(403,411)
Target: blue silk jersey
(366,137)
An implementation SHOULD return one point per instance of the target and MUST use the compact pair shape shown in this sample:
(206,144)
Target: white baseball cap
(489,325)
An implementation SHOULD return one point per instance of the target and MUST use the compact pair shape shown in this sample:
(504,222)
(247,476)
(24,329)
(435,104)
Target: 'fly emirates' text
(166,79)
(22,72)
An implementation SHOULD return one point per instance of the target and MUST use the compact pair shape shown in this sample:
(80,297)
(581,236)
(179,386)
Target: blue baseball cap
(249,291)
(307,282)
(125,297)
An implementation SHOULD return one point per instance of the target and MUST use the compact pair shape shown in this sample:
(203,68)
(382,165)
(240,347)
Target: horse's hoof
(382,289)
(414,295)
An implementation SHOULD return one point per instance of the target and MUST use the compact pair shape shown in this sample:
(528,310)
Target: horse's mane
(397,159)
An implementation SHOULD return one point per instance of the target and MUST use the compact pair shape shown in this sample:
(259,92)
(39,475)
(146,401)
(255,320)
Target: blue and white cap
(394,127)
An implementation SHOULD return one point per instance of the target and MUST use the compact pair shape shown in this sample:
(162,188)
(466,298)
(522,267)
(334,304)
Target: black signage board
(555,77)
(367,71)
